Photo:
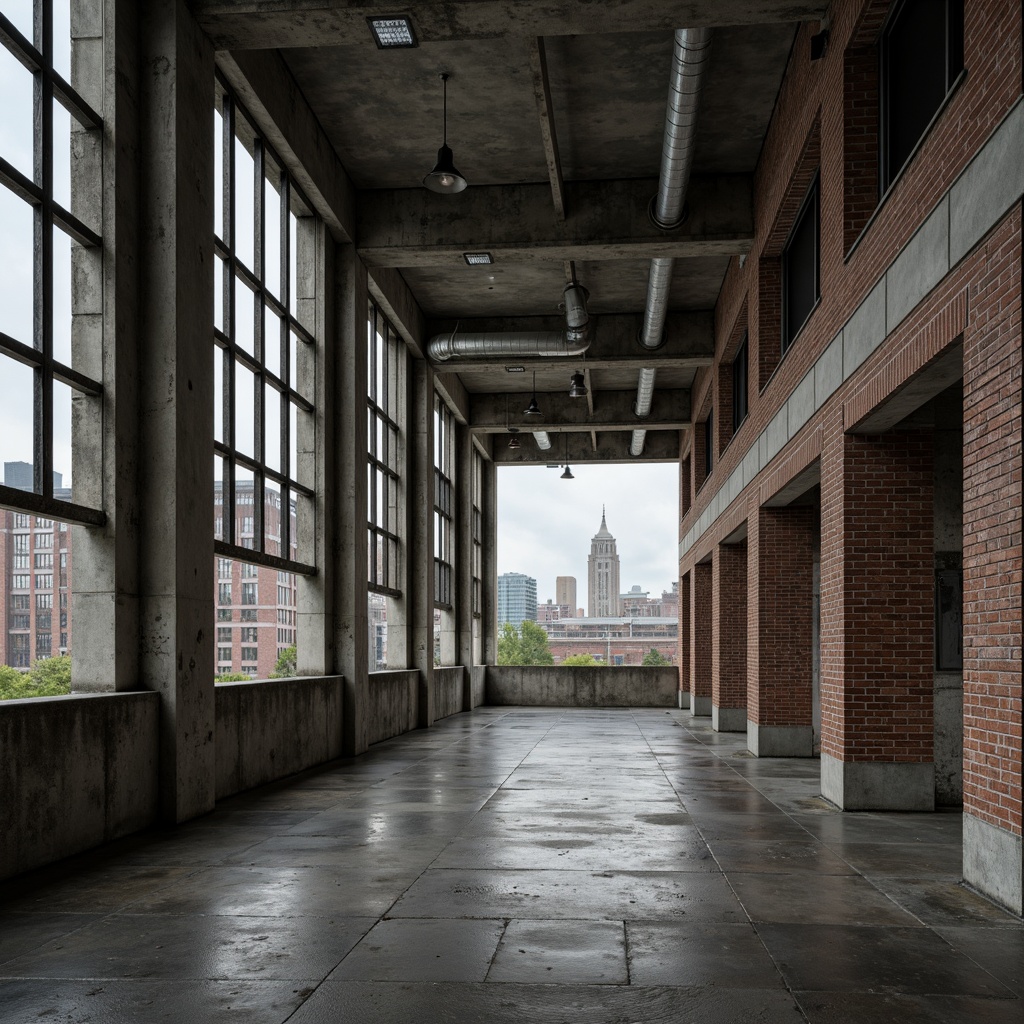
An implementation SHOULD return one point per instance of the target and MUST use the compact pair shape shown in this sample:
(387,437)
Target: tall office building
(603,574)
(565,592)
(517,599)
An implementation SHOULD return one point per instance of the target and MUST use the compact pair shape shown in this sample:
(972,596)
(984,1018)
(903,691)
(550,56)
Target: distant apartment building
(637,603)
(517,599)
(565,592)
(550,612)
(614,640)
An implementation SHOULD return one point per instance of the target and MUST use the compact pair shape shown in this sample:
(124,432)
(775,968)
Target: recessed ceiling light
(515,369)
(392,32)
(478,259)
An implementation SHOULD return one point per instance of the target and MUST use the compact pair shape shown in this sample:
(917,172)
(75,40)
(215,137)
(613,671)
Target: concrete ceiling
(607,68)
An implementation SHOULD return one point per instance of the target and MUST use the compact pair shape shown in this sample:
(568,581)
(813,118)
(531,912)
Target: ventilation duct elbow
(523,344)
(577,319)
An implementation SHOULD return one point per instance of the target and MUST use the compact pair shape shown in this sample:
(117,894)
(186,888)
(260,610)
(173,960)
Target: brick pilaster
(700,641)
(729,638)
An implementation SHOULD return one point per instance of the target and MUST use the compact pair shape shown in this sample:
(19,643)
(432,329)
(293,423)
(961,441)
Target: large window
(921,56)
(386,374)
(740,386)
(264,366)
(443,441)
(50,217)
(478,534)
(800,261)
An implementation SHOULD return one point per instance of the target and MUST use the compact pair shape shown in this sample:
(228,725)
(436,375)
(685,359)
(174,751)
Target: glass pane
(245,402)
(16,132)
(218,174)
(218,498)
(61,296)
(218,293)
(272,235)
(293,264)
(62,38)
(271,341)
(245,311)
(293,529)
(61,156)
(16,247)
(293,442)
(272,427)
(16,419)
(245,510)
(20,13)
(272,518)
(218,393)
(245,176)
(62,398)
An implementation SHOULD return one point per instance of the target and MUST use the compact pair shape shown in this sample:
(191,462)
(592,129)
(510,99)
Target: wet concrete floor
(521,865)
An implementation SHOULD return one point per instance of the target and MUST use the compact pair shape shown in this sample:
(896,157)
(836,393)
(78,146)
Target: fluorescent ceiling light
(478,259)
(392,32)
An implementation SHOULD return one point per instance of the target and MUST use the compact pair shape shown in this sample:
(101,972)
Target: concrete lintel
(394,296)
(605,220)
(576,447)
(451,389)
(253,25)
(878,785)
(993,863)
(780,740)
(700,707)
(728,719)
(613,410)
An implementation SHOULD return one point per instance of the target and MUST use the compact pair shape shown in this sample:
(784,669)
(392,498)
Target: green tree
(653,657)
(579,659)
(509,645)
(527,645)
(286,662)
(50,677)
(233,677)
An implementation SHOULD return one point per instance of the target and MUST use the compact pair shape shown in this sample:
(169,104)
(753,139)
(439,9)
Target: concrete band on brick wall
(980,197)
(780,740)
(994,862)
(728,719)
(700,707)
(878,785)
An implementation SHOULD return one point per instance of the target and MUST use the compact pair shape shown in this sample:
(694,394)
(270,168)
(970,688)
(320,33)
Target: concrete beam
(546,113)
(576,447)
(452,390)
(605,220)
(255,24)
(689,342)
(613,410)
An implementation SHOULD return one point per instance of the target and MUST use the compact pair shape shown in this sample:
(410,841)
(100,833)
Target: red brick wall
(700,638)
(780,553)
(877,597)
(729,626)
(685,628)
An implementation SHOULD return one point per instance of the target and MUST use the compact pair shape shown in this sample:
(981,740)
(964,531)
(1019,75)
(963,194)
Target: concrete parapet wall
(267,730)
(392,704)
(75,772)
(582,687)
(477,685)
(448,691)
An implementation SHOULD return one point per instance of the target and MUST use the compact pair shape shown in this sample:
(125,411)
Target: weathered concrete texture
(780,740)
(993,863)
(728,719)
(268,730)
(448,687)
(477,684)
(700,707)
(949,739)
(75,772)
(392,705)
(878,785)
(582,687)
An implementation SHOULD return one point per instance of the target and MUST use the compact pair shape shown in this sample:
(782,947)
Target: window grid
(264,352)
(801,268)
(478,534)
(385,352)
(49,86)
(443,439)
(740,386)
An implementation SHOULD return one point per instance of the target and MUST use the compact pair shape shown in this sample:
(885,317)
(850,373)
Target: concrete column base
(728,719)
(878,785)
(780,740)
(684,700)
(700,707)
(994,863)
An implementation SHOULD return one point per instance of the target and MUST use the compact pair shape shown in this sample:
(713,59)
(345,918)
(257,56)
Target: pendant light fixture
(533,409)
(567,473)
(444,178)
(577,387)
(514,444)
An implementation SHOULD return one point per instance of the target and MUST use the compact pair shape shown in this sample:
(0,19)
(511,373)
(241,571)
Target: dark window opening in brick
(921,55)
(739,386)
(800,260)
(709,444)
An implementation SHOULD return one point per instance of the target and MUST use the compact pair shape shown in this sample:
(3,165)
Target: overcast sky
(545,524)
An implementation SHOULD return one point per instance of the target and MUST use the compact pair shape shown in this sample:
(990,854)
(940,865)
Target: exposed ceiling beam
(613,410)
(257,24)
(546,113)
(605,220)
(612,446)
(454,394)
(689,342)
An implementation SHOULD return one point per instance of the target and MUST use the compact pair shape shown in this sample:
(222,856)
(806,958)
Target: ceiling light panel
(392,32)
(478,259)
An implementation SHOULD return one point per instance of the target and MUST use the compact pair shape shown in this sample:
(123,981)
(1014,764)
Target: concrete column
(175,506)
(685,639)
(729,639)
(700,641)
(350,513)
(489,566)
(877,622)
(780,632)
(105,581)
(463,552)
(420,603)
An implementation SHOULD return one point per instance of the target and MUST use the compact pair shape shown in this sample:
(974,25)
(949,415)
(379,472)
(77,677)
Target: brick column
(700,641)
(685,631)
(729,639)
(780,546)
(877,621)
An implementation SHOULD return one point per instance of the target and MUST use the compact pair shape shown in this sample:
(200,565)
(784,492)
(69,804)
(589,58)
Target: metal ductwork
(689,63)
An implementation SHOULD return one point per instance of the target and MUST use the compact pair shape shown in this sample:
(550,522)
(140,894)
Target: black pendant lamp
(533,409)
(577,387)
(444,178)
(567,473)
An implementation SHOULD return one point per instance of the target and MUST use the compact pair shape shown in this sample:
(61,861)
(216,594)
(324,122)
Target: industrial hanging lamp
(514,444)
(444,178)
(567,473)
(577,386)
(533,409)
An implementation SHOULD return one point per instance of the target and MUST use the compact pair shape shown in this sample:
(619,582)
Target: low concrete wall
(448,691)
(477,686)
(267,730)
(393,704)
(74,772)
(627,686)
